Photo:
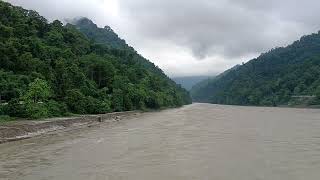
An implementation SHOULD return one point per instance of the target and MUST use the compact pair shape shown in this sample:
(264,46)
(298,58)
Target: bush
(16,109)
(92,105)
(318,93)
(127,102)
(76,101)
(141,105)
(95,106)
(5,118)
(3,109)
(56,109)
(105,106)
(117,100)
(36,110)
(153,101)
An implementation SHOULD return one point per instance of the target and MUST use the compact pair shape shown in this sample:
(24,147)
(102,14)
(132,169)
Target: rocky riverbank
(18,130)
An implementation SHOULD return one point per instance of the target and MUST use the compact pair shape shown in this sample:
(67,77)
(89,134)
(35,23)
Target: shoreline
(19,130)
(279,106)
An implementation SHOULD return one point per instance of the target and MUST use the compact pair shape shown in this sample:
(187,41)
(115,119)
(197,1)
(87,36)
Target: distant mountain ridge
(274,78)
(196,89)
(189,81)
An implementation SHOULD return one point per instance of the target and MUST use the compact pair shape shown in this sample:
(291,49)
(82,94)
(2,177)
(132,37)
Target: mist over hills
(104,35)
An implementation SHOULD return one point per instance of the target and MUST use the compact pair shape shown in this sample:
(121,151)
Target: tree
(117,100)
(39,90)
(36,98)
(98,69)
(76,101)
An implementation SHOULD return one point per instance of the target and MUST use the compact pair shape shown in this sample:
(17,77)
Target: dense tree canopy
(282,76)
(47,69)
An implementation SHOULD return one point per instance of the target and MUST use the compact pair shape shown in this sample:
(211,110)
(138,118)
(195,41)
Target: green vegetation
(105,36)
(282,76)
(49,70)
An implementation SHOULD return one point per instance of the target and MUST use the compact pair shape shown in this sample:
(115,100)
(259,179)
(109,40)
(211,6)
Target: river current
(198,142)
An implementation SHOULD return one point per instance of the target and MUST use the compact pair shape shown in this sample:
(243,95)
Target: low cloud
(194,37)
(230,28)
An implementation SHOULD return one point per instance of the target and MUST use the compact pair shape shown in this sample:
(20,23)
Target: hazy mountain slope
(48,69)
(190,81)
(199,90)
(274,78)
(104,35)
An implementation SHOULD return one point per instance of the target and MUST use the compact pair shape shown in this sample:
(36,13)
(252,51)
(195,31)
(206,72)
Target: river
(198,142)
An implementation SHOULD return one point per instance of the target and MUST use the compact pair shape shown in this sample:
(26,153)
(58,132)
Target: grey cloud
(221,32)
(229,28)
(67,9)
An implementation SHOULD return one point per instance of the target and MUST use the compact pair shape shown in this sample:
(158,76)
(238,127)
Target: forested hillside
(107,37)
(48,69)
(282,76)
(198,91)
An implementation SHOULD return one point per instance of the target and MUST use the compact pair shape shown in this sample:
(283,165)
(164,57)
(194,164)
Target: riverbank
(18,130)
(297,106)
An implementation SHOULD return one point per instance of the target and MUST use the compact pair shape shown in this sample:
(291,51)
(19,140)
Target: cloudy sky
(193,37)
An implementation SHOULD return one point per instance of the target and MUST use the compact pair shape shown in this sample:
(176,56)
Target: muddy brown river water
(198,142)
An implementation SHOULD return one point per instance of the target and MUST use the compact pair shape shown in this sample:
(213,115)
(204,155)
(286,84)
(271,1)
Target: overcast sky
(193,37)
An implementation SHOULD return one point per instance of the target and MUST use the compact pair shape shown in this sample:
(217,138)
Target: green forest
(283,76)
(51,69)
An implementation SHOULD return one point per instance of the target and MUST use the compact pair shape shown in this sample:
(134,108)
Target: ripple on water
(199,141)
